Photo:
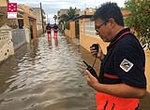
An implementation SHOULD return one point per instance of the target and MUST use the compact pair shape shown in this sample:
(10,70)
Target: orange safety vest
(109,102)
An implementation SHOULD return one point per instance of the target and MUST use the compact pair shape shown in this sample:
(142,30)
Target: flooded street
(48,75)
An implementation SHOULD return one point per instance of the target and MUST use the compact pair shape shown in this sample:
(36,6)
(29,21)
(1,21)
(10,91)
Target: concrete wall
(27,35)
(67,33)
(88,36)
(10,40)
(3,2)
(6,45)
(34,27)
(72,29)
(39,32)
(87,41)
(71,32)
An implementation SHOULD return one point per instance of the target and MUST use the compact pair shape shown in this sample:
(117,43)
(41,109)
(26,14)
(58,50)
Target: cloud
(51,7)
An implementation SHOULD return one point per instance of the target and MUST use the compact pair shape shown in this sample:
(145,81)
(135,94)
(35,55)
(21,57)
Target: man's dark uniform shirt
(124,61)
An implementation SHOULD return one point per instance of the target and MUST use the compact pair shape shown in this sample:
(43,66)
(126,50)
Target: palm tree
(55,18)
(63,18)
(71,13)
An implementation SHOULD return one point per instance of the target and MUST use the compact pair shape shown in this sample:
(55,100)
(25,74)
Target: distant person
(48,30)
(121,81)
(55,30)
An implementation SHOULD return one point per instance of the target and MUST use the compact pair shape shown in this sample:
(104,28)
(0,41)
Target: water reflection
(48,75)
(45,76)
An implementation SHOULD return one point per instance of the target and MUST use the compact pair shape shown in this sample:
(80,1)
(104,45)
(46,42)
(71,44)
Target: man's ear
(111,23)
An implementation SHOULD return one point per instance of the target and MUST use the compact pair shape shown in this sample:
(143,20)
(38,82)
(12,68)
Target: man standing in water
(55,30)
(48,31)
(121,82)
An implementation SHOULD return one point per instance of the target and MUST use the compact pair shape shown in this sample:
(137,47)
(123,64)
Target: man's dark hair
(109,10)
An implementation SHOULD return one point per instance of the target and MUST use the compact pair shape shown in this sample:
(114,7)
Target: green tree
(64,19)
(139,19)
(55,18)
(72,13)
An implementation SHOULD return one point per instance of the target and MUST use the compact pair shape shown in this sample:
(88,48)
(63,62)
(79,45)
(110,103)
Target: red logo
(12,7)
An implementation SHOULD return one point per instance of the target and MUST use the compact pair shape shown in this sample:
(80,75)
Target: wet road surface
(48,75)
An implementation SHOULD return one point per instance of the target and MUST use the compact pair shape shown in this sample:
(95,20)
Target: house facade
(86,29)
(28,19)
(40,20)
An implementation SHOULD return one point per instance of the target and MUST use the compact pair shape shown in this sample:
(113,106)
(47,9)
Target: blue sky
(52,6)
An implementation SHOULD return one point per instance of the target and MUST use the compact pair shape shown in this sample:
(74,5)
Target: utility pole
(42,16)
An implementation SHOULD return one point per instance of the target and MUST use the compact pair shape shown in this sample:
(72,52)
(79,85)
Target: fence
(18,37)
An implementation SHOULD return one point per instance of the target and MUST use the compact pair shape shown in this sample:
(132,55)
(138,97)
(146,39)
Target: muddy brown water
(48,75)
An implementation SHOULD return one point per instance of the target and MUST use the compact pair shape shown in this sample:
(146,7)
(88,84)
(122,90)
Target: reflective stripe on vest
(109,102)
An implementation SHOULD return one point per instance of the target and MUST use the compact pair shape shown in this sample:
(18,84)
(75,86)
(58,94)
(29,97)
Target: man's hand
(91,80)
(98,54)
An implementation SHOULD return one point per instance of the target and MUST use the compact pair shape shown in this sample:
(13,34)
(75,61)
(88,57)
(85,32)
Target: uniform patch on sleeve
(126,65)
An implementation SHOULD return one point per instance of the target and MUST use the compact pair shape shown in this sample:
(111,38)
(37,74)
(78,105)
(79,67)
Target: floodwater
(48,75)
